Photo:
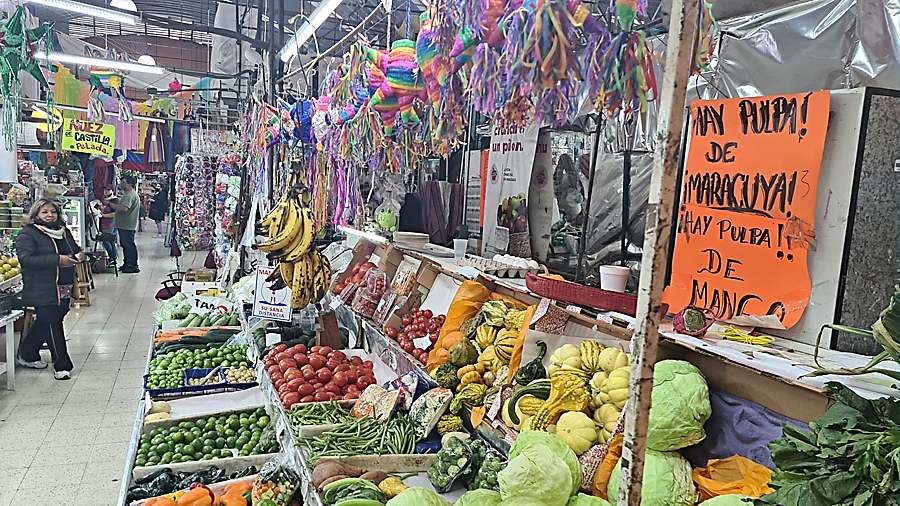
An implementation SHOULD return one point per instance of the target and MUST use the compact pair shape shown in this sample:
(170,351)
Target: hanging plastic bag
(732,475)
(466,303)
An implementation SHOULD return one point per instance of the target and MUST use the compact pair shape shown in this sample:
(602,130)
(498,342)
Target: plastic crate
(240,386)
(190,390)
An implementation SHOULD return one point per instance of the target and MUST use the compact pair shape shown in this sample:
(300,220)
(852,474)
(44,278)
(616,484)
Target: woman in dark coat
(159,206)
(47,253)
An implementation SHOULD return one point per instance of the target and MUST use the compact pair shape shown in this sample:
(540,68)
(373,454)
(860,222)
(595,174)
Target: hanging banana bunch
(290,229)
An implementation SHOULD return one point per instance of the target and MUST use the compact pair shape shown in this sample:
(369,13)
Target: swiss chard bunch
(851,456)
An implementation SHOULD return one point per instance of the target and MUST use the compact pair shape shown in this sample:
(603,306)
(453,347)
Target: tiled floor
(65,441)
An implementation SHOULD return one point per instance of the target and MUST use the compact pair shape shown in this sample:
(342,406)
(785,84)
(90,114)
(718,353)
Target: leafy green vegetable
(586,500)
(532,438)
(850,457)
(417,496)
(535,474)
(680,406)
(479,497)
(667,480)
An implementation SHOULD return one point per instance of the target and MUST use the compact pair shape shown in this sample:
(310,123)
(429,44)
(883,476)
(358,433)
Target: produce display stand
(131,454)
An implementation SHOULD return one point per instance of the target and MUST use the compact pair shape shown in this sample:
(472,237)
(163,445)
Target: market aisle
(65,441)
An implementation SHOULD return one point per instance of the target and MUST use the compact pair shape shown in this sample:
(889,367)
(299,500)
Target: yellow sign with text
(87,137)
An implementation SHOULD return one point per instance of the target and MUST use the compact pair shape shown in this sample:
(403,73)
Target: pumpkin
(160,501)
(577,430)
(463,353)
(450,340)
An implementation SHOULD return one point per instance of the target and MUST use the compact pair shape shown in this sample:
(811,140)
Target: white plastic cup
(459,248)
(614,277)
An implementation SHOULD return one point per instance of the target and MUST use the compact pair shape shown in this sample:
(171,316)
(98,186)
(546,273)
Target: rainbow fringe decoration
(707,32)
(426,54)
(485,82)
(401,82)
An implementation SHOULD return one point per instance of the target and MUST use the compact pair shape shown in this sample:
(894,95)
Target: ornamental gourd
(445,376)
(540,389)
(615,387)
(567,354)
(485,336)
(504,345)
(590,355)
(577,430)
(463,353)
(535,369)
(613,358)
(567,393)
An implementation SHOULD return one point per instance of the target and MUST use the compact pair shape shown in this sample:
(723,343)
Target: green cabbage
(728,500)
(587,500)
(667,480)
(479,497)
(680,406)
(535,474)
(417,496)
(532,438)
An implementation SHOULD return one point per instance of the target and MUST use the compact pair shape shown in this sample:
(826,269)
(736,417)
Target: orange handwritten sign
(748,203)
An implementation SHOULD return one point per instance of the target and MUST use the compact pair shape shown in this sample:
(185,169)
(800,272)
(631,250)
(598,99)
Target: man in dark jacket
(47,253)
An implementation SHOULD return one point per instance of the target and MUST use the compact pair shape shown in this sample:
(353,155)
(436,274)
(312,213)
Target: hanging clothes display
(226,194)
(194,176)
(127,133)
(155,145)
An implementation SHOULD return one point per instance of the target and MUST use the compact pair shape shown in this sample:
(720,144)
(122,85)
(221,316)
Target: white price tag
(573,309)
(272,338)
(422,342)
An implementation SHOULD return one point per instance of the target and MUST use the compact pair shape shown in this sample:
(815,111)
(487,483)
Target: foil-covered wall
(818,44)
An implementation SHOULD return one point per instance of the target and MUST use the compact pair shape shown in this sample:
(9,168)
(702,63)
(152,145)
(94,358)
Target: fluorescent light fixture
(318,16)
(125,5)
(147,60)
(98,62)
(89,10)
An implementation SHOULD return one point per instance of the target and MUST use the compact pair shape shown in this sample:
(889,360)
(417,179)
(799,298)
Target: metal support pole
(660,206)
(270,33)
(277,77)
(586,212)
(626,204)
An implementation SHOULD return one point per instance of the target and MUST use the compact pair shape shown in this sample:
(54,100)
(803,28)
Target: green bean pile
(365,436)
(319,413)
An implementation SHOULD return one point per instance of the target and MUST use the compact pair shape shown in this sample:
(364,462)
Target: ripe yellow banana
(286,233)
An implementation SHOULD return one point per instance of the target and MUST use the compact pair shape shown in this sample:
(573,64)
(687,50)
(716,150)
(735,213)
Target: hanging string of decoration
(17,48)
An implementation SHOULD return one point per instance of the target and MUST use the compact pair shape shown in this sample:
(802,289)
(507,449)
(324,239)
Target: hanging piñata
(622,78)
(401,79)
(112,83)
(17,47)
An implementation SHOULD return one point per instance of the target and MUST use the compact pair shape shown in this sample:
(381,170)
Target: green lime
(241,441)
(220,442)
(187,458)
(234,423)
(230,441)
(230,432)
(207,449)
(189,437)
(177,437)
(140,462)
(263,422)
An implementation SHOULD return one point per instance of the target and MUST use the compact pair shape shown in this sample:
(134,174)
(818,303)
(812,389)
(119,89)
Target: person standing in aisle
(127,208)
(47,253)
(159,206)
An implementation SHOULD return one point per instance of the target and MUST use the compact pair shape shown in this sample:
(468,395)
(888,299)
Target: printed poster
(748,202)
(88,137)
(268,304)
(506,188)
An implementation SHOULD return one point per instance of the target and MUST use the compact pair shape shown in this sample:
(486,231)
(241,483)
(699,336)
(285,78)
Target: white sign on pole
(508,176)
(268,304)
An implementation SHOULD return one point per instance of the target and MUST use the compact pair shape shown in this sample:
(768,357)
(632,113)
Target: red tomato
(407,346)
(343,367)
(280,347)
(300,348)
(316,361)
(272,369)
(364,381)
(351,375)
(351,396)
(292,373)
(294,384)
(308,398)
(275,376)
(368,364)
(391,332)
(324,375)
(322,396)
(283,389)
(352,389)
(331,387)
(356,360)
(309,374)
(414,310)
(428,313)
(306,389)
(340,379)
(325,350)
(287,363)
(278,383)
(314,349)
(406,321)
(301,359)
(337,355)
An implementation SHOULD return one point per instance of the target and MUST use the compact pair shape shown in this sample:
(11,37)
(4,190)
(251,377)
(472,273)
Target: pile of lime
(208,438)
(165,378)
(229,355)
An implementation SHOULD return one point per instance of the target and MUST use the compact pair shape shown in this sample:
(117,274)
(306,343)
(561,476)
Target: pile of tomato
(317,375)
